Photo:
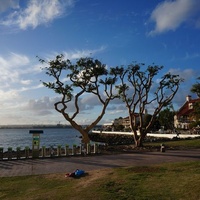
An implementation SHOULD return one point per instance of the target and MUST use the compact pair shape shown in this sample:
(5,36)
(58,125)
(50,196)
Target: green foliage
(196,111)
(147,119)
(73,80)
(166,118)
(136,87)
(139,88)
(119,127)
(196,88)
(194,124)
(85,74)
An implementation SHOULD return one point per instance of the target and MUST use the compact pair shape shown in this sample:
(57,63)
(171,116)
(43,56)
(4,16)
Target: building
(108,126)
(184,117)
(125,122)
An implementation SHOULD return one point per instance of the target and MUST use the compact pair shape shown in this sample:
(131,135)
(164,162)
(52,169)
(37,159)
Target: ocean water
(51,137)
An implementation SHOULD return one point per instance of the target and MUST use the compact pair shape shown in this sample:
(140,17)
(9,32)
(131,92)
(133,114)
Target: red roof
(185,109)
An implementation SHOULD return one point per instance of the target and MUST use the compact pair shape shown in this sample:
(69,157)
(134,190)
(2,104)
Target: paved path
(87,163)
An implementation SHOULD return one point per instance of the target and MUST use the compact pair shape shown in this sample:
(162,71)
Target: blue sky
(116,32)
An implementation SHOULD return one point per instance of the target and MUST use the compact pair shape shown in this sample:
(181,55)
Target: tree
(73,81)
(196,88)
(146,118)
(138,90)
(196,107)
(166,117)
(196,112)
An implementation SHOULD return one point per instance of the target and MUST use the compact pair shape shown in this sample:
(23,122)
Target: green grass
(165,181)
(183,143)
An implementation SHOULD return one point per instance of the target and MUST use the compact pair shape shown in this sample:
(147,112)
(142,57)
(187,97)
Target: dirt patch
(53,176)
(90,177)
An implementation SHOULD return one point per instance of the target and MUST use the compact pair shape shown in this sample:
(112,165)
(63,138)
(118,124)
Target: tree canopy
(139,89)
(73,80)
(196,88)
(166,117)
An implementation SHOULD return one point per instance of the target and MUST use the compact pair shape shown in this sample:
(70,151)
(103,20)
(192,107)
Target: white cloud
(17,72)
(189,56)
(13,60)
(83,53)
(41,104)
(189,76)
(186,74)
(6,4)
(76,54)
(8,95)
(169,15)
(45,104)
(10,68)
(35,87)
(20,76)
(37,12)
(25,82)
(18,60)
(13,66)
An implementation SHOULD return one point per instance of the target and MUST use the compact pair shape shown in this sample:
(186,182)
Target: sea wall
(112,138)
(120,138)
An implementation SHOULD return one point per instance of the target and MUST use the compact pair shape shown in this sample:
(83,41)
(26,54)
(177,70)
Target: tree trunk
(82,131)
(85,138)
(139,142)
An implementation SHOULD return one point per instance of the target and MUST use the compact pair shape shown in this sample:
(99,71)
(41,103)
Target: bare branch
(84,76)
(138,93)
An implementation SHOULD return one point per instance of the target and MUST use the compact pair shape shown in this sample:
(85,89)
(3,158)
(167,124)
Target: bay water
(51,137)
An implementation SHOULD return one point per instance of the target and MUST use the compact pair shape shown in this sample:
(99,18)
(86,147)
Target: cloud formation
(83,53)
(16,72)
(7,4)
(169,15)
(12,69)
(186,74)
(36,12)
(45,105)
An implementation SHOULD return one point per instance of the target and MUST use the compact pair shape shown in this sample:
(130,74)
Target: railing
(50,152)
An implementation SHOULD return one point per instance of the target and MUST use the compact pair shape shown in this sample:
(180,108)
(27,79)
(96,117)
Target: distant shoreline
(38,126)
(33,126)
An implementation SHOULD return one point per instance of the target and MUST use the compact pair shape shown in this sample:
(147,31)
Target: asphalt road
(93,162)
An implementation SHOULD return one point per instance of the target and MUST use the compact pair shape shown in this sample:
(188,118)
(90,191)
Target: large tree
(72,81)
(196,111)
(196,108)
(138,90)
(166,117)
(196,88)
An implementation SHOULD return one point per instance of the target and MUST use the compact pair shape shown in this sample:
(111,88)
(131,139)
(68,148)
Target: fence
(49,152)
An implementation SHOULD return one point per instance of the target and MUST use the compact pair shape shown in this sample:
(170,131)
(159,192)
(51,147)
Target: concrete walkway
(93,162)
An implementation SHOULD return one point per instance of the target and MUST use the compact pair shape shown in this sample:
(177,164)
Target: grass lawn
(179,144)
(165,181)
(171,181)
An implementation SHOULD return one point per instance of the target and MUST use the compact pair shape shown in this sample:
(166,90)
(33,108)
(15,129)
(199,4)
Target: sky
(164,32)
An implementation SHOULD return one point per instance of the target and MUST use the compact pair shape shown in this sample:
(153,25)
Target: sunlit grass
(183,143)
(166,181)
